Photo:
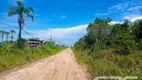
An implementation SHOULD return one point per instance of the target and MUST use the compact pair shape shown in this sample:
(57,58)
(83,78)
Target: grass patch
(11,57)
(108,63)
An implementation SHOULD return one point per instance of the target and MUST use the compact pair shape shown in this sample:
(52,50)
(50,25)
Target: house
(35,42)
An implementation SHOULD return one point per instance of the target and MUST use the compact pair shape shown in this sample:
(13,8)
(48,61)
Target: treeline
(111,50)
(7,35)
(125,38)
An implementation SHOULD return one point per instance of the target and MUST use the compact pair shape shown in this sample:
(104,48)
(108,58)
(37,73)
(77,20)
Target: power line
(27,32)
(16,27)
(10,26)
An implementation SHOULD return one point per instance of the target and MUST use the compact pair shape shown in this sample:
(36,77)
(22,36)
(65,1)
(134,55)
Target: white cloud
(137,8)
(68,36)
(120,6)
(63,17)
(136,18)
(133,17)
(130,7)
(130,16)
(116,8)
(3,26)
(115,22)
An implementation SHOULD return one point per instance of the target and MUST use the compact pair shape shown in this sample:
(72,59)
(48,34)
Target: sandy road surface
(60,67)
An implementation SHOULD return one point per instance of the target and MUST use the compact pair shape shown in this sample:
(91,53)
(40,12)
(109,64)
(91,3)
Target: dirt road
(59,67)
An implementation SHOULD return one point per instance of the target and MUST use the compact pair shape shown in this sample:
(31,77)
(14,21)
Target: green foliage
(124,38)
(10,56)
(21,43)
(123,43)
(81,44)
(111,50)
(50,43)
(139,45)
(137,29)
(108,63)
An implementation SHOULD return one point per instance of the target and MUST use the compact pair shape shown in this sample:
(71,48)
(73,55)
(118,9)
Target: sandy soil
(59,67)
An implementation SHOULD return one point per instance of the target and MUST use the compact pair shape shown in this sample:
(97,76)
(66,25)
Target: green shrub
(21,43)
(124,43)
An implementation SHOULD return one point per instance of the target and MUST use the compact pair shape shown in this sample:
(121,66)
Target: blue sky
(66,20)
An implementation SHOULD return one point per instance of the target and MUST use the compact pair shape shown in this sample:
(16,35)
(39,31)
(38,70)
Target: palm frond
(28,10)
(12,11)
(31,16)
(20,4)
(12,31)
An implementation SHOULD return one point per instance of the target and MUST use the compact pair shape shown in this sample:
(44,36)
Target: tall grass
(10,56)
(109,63)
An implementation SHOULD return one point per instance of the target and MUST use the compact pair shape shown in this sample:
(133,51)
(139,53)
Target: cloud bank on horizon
(67,36)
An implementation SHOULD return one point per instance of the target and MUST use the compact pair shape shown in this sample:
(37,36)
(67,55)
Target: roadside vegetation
(111,50)
(11,56)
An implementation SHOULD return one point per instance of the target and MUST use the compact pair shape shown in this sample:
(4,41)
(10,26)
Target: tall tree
(7,35)
(98,29)
(21,11)
(12,34)
(2,32)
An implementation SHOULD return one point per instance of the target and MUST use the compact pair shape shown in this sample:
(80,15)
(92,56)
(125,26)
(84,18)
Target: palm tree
(21,11)
(2,32)
(7,35)
(12,36)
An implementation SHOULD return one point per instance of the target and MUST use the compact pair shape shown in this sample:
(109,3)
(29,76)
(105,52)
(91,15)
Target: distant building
(35,42)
